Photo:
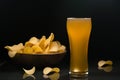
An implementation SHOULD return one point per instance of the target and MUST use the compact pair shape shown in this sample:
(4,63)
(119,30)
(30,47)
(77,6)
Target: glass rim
(78,18)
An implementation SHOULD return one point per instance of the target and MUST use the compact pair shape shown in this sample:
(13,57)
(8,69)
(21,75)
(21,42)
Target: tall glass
(78,30)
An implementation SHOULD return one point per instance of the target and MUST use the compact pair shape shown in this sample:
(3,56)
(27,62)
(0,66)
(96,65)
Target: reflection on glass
(54,76)
(106,68)
(83,78)
(28,76)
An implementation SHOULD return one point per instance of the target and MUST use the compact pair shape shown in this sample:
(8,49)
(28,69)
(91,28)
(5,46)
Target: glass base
(78,74)
(78,78)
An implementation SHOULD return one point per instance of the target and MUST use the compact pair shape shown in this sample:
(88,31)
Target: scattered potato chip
(47,70)
(109,62)
(102,63)
(30,72)
(53,76)
(56,69)
(106,68)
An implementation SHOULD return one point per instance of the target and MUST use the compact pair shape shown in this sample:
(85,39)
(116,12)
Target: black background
(22,19)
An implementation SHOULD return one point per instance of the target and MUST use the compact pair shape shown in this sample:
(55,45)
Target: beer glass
(78,30)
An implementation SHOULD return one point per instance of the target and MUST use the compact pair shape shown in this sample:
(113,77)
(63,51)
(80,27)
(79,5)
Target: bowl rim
(52,53)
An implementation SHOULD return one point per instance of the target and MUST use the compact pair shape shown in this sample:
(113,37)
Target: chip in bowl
(37,46)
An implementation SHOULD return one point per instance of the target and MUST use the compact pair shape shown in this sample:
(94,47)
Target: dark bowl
(48,59)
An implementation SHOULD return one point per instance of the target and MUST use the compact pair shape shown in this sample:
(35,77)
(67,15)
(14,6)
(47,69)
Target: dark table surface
(10,71)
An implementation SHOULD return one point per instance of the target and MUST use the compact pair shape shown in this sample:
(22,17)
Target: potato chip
(37,49)
(30,71)
(46,50)
(28,50)
(56,69)
(54,47)
(12,53)
(50,39)
(58,43)
(28,44)
(62,48)
(42,42)
(33,40)
(102,63)
(47,70)
(20,51)
(109,62)
(15,47)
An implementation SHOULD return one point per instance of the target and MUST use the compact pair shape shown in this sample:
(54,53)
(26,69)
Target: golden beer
(78,30)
